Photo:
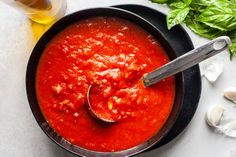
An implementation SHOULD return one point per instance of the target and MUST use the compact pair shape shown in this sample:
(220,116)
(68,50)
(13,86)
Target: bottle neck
(36,4)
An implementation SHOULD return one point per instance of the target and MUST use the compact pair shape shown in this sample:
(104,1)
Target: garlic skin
(230,94)
(214,115)
(221,120)
(233,153)
(212,68)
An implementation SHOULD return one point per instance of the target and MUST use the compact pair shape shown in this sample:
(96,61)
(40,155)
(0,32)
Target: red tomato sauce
(115,53)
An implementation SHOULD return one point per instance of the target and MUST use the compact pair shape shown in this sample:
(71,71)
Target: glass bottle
(42,11)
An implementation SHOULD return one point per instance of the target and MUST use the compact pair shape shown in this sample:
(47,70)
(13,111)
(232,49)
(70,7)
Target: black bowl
(54,30)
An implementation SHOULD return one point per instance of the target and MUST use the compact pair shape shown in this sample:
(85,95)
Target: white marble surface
(20,135)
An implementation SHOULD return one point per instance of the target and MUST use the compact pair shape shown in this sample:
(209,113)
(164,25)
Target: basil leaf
(159,1)
(199,6)
(232,50)
(202,29)
(232,36)
(167,1)
(176,16)
(219,15)
(178,5)
(233,6)
(202,2)
(187,2)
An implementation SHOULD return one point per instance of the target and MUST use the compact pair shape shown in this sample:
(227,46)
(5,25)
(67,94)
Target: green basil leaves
(207,18)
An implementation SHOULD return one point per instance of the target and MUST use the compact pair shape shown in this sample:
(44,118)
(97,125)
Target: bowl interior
(59,26)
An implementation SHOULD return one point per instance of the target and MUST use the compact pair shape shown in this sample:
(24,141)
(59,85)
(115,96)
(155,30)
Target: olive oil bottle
(42,11)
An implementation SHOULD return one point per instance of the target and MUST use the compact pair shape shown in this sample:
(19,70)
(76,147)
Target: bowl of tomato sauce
(115,49)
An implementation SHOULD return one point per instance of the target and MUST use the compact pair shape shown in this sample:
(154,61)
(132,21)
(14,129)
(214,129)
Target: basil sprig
(207,18)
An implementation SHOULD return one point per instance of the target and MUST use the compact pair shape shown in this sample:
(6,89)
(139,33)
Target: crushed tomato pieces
(114,53)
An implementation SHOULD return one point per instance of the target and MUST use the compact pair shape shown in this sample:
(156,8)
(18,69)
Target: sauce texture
(114,53)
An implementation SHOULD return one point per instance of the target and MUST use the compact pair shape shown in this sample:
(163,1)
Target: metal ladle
(177,65)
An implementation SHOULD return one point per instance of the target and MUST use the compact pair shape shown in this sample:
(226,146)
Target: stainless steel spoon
(91,110)
(177,65)
(187,60)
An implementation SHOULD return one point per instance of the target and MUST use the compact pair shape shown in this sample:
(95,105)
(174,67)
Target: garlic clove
(214,115)
(230,94)
(221,120)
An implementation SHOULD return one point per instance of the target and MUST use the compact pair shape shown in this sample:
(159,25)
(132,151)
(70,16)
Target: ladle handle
(187,60)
